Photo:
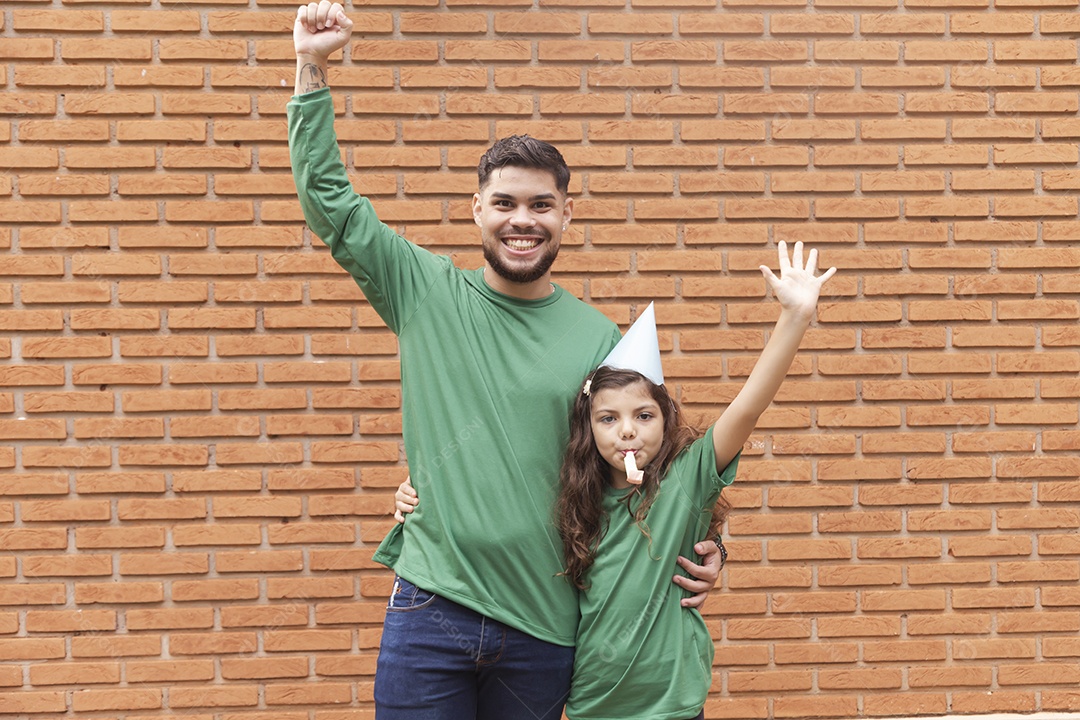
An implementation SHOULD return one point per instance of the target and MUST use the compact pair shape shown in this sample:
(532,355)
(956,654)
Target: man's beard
(521,275)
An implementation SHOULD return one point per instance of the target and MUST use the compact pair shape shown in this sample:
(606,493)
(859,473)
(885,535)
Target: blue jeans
(441,661)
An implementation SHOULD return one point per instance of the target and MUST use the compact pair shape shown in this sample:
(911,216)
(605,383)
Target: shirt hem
(477,606)
(687,714)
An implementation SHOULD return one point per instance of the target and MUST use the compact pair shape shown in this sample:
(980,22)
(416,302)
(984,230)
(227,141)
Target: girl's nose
(627,430)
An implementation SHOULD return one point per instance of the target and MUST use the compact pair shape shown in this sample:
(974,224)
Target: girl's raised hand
(797,288)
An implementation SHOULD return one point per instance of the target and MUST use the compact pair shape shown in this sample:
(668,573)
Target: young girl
(637,490)
(639,653)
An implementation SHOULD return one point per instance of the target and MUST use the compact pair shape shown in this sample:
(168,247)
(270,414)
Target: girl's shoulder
(694,469)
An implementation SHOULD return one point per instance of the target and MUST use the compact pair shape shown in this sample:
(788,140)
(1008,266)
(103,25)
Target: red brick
(262,668)
(77,457)
(227,696)
(766,681)
(218,642)
(826,706)
(949,624)
(908,702)
(815,653)
(214,535)
(116,699)
(117,593)
(114,646)
(256,453)
(163,564)
(305,694)
(74,673)
(199,590)
(1003,545)
(853,576)
(262,561)
(1064,701)
(33,701)
(48,566)
(992,494)
(948,469)
(27,593)
(167,671)
(984,441)
(829,679)
(1048,622)
(949,676)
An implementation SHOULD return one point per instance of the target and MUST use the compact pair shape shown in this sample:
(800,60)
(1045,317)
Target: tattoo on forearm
(312,77)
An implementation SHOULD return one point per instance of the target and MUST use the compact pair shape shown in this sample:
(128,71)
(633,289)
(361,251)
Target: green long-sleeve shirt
(487,383)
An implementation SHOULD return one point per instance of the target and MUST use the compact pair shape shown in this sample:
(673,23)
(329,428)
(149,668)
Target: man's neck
(536,290)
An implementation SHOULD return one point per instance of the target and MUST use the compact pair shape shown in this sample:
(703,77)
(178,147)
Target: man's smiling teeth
(516,244)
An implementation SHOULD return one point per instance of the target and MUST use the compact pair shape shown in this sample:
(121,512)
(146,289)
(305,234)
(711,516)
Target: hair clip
(588,385)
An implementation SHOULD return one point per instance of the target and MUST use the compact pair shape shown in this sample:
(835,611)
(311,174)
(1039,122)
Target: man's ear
(477,204)
(567,211)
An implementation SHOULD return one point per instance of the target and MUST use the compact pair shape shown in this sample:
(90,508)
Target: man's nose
(522,217)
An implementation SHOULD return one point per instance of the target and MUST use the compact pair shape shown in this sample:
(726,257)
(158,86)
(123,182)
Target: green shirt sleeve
(394,274)
(696,468)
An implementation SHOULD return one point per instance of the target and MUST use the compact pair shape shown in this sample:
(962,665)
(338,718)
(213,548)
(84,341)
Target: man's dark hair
(525,152)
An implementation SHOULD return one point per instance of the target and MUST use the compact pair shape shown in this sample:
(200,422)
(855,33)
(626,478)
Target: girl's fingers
(785,263)
(827,274)
(770,278)
(811,262)
(797,260)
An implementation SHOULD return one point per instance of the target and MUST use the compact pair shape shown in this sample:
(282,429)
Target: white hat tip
(639,349)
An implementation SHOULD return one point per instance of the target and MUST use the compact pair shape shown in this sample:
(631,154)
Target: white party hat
(639,349)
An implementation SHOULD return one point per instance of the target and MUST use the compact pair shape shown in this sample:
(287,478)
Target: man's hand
(707,574)
(405,500)
(320,29)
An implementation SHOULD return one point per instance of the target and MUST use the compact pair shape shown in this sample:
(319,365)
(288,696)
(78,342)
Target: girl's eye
(646,416)
(607,419)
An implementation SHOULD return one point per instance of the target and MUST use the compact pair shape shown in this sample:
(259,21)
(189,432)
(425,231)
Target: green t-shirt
(640,654)
(487,383)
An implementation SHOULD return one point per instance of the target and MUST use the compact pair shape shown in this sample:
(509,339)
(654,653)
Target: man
(479,625)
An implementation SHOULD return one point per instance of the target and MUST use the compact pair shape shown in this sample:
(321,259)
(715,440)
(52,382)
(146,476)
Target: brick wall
(199,414)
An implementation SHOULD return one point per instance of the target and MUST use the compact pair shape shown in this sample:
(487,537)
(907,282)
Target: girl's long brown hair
(585,473)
